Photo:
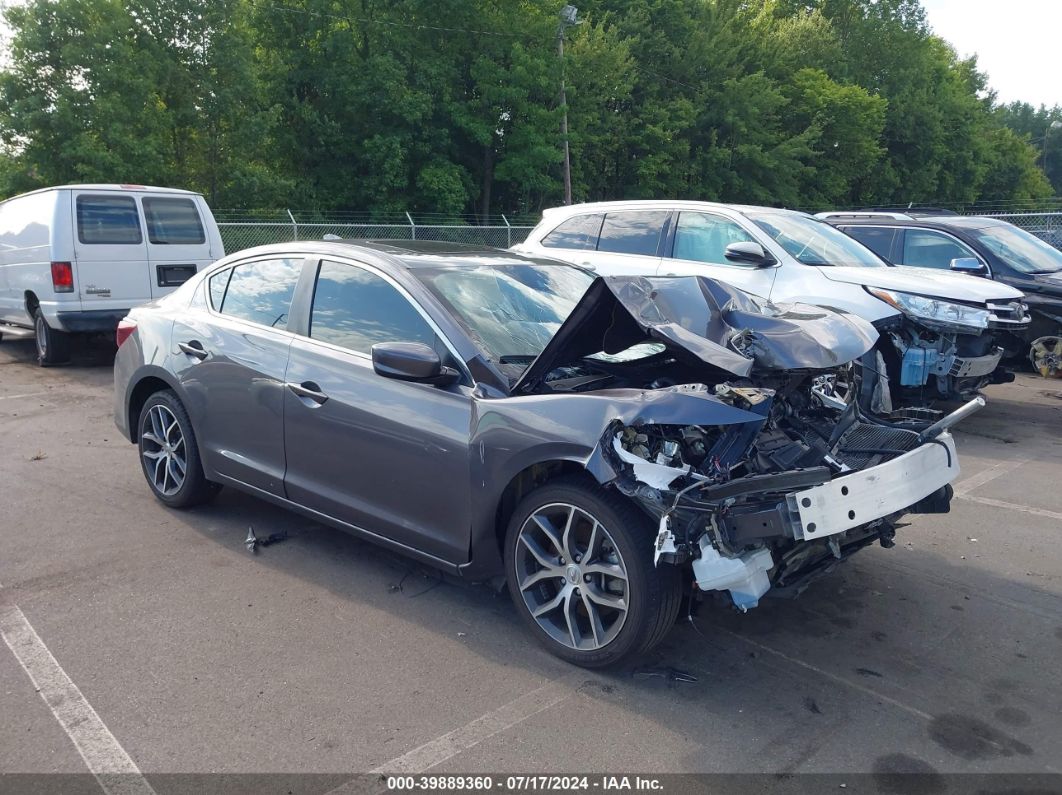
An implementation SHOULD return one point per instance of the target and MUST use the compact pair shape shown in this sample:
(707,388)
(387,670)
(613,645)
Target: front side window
(878,239)
(813,242)
(258,291)
(923,248)
(173,221)
(578,233)
(354,309)
(701,237)
(636,232)
(108,220)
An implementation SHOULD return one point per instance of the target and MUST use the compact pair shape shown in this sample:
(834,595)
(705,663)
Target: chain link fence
(239,233)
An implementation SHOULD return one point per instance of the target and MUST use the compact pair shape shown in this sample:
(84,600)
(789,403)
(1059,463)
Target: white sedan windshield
(814,242)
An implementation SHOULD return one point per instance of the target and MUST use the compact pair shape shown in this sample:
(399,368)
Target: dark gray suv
(604,445)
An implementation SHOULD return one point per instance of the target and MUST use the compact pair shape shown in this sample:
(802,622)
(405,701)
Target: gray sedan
(602,445)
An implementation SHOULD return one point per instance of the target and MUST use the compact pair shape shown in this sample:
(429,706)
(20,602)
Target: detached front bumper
(864,496)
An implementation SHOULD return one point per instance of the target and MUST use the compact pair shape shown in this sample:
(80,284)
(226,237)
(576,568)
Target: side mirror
(749,252)
(970,265)
(411,361)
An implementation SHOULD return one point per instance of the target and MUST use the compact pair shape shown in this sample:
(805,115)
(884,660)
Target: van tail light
(62,277)
(125,328)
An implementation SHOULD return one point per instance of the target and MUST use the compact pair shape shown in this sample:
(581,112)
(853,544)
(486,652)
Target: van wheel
(169,453)
(53,346)
(579,563)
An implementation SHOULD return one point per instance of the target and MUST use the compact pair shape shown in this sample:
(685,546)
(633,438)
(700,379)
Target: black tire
(653,595)
(53,345)
(194,489)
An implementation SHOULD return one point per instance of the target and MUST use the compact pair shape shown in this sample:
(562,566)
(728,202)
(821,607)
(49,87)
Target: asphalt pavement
(324,654)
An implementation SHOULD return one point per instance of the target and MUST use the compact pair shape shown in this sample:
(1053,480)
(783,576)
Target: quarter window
(354,309)
(578,233)
(258,291)
(173,222)
(703,238)
(925,249)
(632,232)
(110,220)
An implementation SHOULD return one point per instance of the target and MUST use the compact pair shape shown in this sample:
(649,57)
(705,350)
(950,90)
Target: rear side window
(924,248)
(579,233)
(354,309)
(258,291)
(110,220)
(173,222)
(878,239)
(632,232)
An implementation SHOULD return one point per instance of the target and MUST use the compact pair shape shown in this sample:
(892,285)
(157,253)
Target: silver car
(601,445)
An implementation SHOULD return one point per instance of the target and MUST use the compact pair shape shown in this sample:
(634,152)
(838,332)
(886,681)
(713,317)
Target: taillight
(62,277)
(125,328)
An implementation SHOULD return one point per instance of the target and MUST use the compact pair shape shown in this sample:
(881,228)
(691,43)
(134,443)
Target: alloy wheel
(571,576)
(1045,354)
(163,449)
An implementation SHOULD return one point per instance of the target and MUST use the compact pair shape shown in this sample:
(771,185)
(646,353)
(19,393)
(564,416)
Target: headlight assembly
(934,310)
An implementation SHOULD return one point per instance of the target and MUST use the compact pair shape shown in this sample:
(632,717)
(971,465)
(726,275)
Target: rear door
(177,240)
(698,249)
(628,244)
(882,240)
(230,359)
(111,250)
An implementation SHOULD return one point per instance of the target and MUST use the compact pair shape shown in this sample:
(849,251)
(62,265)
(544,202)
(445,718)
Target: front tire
(169,454)
(53,345)
(579,565)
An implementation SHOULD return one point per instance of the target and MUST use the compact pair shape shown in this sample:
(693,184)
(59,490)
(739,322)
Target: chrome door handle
(193,348)
(308,390)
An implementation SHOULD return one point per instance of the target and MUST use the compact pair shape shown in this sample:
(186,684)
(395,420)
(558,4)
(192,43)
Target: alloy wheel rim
(572,577)
(163,449)
(1045,354)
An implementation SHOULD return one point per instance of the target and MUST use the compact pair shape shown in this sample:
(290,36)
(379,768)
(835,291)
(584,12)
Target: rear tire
(53,345)
(169,453)
(584,558)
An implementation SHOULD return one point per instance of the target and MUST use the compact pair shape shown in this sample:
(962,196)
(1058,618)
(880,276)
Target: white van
(77,258)
(940,332)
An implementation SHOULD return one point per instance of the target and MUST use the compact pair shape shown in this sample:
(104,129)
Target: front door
(389,457)
(700,247)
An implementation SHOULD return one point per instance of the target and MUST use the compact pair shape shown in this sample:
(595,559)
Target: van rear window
(111,220)
(173,222)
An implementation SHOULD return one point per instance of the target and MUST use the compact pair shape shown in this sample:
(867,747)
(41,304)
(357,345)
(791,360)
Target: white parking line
(26,395)
(964,487)
(482,728)
(113,768)
(1012,506)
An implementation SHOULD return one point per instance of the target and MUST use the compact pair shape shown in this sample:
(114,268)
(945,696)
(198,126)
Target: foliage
(452,106)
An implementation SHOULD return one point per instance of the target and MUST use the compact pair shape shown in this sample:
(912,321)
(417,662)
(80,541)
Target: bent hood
(702,319)
(925,281)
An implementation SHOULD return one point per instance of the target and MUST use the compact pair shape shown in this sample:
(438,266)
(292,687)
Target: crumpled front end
(772,502)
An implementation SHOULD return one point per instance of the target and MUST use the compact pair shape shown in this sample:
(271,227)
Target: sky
(1018,43)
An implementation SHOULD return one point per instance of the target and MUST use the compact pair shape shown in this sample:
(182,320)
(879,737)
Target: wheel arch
(31,303)
(151,381)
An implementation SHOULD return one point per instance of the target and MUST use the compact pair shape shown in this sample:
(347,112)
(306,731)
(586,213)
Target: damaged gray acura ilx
(605,445)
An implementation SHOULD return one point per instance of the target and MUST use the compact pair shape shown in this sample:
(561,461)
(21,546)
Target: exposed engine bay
(728,498)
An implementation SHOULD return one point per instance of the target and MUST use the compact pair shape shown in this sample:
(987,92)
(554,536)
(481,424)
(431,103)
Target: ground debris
(663,672)
(253,542)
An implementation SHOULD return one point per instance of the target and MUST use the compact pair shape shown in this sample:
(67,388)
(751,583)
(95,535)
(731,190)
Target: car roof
(409,254)
(660,204)
(123,188)
(928,222)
